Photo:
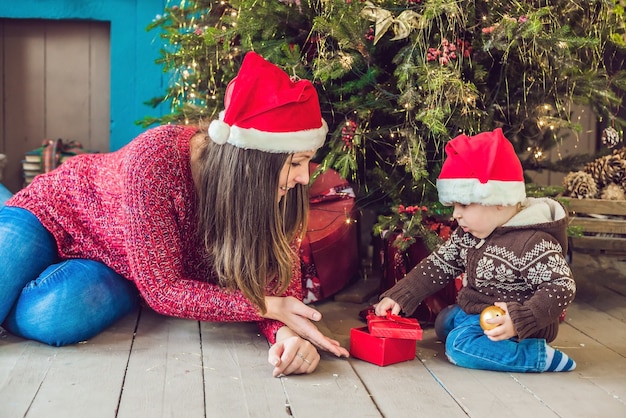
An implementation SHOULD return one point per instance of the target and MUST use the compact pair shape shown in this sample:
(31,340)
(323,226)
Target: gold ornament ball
(490,312)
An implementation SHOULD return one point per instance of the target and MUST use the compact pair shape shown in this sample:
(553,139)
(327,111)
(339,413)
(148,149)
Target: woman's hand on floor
(297,317)
(292,354)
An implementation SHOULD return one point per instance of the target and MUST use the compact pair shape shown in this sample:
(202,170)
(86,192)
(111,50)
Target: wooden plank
(450,390)
(594,334)
(606,226)
(238,377)
(3,139)
(335,379)
(599,268)
(407,389)
(81,380)
(596,206)
(398,389)
(236,362)
(601,326)
(99,87)
(58,83)
(67,98)
(388,385)
(165,372)
(24,58)
(596,244)
(483,393)
(23,369)
(334,390)
(338,318)
(599,293)
(599,375)
(479,392)
(613,228)
(361,291)
(458,391)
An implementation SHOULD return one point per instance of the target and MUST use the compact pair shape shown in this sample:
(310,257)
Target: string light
(427,92)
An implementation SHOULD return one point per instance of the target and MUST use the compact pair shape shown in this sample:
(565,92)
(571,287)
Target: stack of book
(3,163)
(48,156)
(31,165)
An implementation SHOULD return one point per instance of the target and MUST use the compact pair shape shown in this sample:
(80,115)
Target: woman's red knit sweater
(134,210)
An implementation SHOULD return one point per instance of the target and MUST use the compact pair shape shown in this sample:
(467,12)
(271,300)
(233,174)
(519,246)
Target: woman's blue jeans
(5,194)
(45,298)
(467,345)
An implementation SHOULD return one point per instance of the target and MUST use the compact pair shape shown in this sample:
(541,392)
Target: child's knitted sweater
(134,210)
(521,263)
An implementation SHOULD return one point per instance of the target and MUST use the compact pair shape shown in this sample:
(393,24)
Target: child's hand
(386,304)
(505,328)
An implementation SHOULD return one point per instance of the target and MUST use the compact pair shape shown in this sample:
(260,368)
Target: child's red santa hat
(266,110)
(481,169)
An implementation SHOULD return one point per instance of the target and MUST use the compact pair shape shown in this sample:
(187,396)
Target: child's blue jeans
(467,345)
(47,299)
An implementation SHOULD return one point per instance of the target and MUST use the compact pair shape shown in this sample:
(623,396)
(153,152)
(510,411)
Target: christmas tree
(398,79)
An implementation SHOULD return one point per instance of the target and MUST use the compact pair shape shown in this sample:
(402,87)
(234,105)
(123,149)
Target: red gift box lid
(394,326)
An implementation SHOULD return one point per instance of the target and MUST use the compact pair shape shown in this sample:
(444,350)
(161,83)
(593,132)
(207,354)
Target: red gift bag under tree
(329,252)
(395,264)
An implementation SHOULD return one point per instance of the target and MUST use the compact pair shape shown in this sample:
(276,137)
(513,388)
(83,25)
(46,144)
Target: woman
(203,226)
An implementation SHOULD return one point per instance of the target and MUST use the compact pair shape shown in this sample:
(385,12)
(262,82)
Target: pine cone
(580,184)
(613,192)
(606,170)
(610,137)
(621,152)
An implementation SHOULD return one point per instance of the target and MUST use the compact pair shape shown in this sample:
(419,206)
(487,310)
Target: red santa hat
(264,109)
(481,169)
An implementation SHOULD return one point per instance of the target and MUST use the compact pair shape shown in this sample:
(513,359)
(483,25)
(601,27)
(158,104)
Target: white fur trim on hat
(287,142)
(277,142)
(469,190)
(219,131)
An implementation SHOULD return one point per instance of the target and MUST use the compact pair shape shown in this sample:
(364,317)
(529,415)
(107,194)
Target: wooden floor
(152,366)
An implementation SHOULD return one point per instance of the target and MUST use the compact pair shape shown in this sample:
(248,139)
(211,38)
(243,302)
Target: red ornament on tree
(347,133)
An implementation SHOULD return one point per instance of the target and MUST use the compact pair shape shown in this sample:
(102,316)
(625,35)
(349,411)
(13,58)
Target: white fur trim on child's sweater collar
(537,211)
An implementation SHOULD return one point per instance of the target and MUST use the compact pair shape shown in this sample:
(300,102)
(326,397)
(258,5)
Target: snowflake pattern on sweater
(134,210)
(521,263)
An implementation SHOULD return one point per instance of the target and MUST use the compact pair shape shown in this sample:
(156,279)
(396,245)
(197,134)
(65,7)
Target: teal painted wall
(135,78)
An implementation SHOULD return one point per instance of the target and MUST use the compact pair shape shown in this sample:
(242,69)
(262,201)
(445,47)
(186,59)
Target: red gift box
(393,326)
(380,351)
(386,339)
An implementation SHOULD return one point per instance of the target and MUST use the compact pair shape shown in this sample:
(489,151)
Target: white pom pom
(219,131)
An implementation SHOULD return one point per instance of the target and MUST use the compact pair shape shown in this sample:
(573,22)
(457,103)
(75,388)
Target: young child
(512,251)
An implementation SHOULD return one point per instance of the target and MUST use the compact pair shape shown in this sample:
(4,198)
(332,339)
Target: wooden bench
(603,224)
(598,240)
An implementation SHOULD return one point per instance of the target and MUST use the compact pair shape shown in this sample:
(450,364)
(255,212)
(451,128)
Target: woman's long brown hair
(249,236)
